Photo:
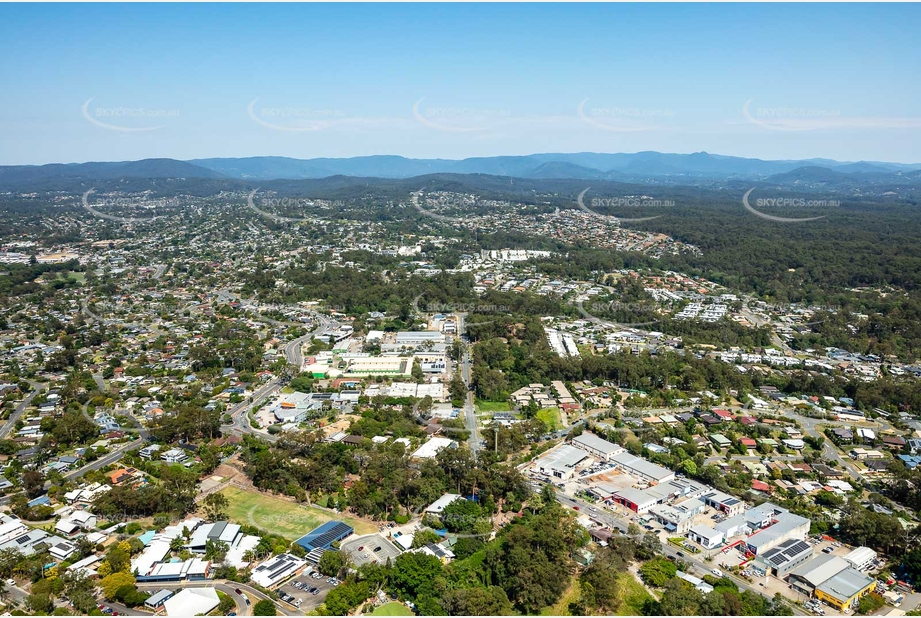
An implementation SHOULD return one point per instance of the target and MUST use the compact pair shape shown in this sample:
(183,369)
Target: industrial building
(600,448)
(561,462)
(784,558)
(809,576)
(861,558)
(844,589)
(639,467)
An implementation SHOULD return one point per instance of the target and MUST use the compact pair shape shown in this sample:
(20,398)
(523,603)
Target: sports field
(277,516)
(392,609)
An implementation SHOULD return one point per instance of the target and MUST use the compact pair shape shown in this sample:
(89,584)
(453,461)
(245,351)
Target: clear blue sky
(837,81)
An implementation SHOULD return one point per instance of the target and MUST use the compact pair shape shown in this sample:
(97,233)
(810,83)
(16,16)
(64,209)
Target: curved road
(16,414)
(226,587)
(295,356)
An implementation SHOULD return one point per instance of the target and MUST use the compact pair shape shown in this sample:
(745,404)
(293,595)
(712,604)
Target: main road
(294,354)
(465,365)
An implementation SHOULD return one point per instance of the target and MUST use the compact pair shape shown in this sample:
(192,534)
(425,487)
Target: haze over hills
(631,166)
(639,168)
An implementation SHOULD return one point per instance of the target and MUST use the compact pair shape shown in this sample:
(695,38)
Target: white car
(717,572)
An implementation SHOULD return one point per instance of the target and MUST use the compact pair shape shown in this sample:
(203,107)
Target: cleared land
(392,609)
(492,406)
(551,418)
(632,594)
(277,516)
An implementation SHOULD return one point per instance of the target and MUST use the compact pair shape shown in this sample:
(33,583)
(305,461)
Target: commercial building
(600,448)
(677,518)
(561,462)
(637,500)
(730,505)
(844,590)
(438,507)
(379,366)
(222,531)
(158,599)
(705,536)
(782,526)
(414,338)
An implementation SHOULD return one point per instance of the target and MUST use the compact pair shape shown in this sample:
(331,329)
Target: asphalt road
(470,419)
(226,587)
(294,355)
(17,412)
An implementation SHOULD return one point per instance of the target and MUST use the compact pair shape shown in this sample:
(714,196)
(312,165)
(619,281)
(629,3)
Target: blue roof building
(324,536)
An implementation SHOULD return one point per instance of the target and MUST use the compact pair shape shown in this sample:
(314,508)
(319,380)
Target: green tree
(216,505)
(265,607)
(331,563)
(658,571)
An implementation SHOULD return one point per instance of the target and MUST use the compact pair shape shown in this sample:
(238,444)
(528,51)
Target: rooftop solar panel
(324,536)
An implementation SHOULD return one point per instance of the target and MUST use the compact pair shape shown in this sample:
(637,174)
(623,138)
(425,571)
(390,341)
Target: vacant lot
(551,418)
(492,406)
(278,516)
(392,609)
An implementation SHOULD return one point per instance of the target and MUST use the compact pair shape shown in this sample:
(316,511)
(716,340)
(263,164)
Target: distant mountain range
(587,165)
(641,167)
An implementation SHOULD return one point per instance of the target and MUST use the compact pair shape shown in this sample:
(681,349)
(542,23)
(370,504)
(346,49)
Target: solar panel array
(787,552)
(324,536)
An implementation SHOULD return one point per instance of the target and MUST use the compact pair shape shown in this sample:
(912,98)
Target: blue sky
(121,82)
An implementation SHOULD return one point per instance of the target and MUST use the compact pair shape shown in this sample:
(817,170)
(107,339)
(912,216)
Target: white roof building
(192,602)
(438,506)
(432,447)
(277,569)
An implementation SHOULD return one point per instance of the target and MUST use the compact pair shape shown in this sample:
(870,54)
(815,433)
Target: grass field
(633,594)
(277,516)
(492,406)
(551,418)
(392,609)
